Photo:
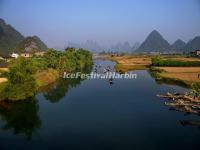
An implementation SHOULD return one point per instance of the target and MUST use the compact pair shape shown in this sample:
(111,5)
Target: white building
(14,55)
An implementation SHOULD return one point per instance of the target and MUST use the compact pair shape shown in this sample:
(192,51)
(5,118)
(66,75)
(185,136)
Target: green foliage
(9,38)
(158,61)
(21,83)
(69,60)
(196,88)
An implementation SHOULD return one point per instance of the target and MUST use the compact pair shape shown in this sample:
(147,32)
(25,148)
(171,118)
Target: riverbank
(27,75)
(186,75)
(42,77)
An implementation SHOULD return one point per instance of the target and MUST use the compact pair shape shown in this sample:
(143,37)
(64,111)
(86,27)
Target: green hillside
(9,38)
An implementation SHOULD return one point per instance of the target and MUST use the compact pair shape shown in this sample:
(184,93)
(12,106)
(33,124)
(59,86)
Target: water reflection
(167,81)
(21,117)
(195,123)
(61,89)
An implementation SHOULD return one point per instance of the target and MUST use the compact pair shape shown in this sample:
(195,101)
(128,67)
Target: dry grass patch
(187,74)
(2,80)
(46,77)
(127,63)
(133,60)
(3,69)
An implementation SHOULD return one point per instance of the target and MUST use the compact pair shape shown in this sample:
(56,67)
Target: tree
(196,88)
(21,83)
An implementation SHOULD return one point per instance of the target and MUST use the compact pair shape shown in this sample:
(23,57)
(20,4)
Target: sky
(58,22)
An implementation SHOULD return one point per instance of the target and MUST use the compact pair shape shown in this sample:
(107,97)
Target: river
(94,115)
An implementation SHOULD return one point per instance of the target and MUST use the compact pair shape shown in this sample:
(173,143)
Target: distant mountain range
(124,47)
(96,47)
(156,43)
(11,40)
(89,44)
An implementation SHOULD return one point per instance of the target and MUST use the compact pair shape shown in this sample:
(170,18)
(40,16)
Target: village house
(14,55)
(1,58)
(26,55)
(195,53)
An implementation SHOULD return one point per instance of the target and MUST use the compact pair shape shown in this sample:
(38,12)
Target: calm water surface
(92,114)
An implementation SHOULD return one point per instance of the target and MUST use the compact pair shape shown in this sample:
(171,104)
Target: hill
(178,45)
(154,43)
(121,47)
(30,45)
(9,38)
(192,45)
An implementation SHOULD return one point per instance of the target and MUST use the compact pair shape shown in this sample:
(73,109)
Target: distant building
(196,53)
(26,55)
(14,55)
(1,58)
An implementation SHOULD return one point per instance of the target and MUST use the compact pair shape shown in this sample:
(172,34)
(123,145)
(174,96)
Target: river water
(92,114)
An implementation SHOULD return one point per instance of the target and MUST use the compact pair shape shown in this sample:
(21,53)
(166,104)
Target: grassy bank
(181,75)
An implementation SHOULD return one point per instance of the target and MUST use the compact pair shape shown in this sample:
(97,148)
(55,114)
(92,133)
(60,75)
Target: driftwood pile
(182,102)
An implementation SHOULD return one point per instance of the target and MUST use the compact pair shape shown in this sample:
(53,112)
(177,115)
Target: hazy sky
(58,22)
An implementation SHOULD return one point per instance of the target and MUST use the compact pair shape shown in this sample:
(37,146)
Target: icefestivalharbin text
(93,75)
